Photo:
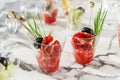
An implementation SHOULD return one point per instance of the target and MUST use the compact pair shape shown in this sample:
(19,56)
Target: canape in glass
(50,12)
(74,15)
(48,40)
(83,48)
(6,72)
(49,53)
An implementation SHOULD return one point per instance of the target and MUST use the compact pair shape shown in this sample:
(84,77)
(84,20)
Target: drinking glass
(83,49)
(50,11)
(75,14)
(48,55)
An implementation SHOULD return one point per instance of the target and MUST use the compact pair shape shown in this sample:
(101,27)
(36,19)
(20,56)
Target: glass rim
(84,38)
(48,44)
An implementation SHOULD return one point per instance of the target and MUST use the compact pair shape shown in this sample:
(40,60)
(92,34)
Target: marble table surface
(105,65)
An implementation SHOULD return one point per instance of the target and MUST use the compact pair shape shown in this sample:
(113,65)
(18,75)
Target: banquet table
(105,64)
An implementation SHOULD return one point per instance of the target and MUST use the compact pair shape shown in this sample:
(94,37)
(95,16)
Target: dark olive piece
(81,8)
(4,61)
(87,30)
(37,43)
(39,40)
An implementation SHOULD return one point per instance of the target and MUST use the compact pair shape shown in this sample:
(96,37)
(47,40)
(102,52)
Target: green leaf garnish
(38,31)
(99,22)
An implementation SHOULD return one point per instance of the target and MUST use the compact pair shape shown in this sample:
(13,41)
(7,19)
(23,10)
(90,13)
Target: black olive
(39,40)
(87,30)
(4,61)
(81,8)
(37,43)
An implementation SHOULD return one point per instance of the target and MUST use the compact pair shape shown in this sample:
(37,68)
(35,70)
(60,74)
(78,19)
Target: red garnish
(49,19)
(52,50)
(83,35)
(48,39)
(57,48)
(56,42)
(54,13)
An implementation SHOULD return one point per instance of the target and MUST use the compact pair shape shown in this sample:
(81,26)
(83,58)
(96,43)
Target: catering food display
(47,40)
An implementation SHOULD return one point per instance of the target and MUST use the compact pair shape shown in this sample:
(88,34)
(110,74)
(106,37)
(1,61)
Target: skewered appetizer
(85,41)
(5,67)
(49,48)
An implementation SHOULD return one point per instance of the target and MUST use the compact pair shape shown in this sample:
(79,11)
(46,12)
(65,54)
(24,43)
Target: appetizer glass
(75,15)
(51,11)
(48,56)
(83,49)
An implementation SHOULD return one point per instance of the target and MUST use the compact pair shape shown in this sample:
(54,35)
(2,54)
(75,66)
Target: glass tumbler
(48,56)
(75,15)
(50,11)
(83,49)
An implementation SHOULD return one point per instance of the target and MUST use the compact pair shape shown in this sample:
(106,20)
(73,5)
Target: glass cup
(75,13)
(51,11)
(48,55)
(83,49)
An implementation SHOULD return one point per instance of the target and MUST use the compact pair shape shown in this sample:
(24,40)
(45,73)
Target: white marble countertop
(105,65)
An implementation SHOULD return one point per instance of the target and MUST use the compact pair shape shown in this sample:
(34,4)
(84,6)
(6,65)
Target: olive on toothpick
(4,61)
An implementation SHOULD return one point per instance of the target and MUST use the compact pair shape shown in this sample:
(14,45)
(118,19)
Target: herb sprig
(37,30)
(99,22)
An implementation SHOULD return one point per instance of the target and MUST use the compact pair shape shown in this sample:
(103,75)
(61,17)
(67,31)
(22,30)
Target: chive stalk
(99,22)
